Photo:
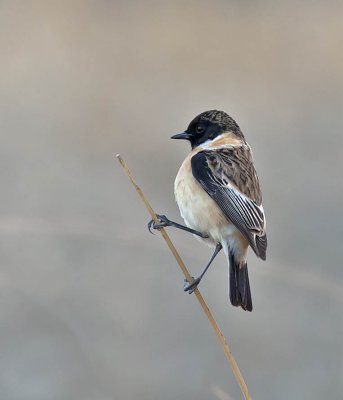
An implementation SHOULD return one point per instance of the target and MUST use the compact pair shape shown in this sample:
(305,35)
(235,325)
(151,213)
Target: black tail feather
(240,294)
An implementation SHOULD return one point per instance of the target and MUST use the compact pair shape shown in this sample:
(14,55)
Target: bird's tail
(239,284)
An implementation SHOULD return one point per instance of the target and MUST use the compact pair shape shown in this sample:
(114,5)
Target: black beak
(183,135)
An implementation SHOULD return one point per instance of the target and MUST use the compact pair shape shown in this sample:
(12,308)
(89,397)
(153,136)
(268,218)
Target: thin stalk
(233,364)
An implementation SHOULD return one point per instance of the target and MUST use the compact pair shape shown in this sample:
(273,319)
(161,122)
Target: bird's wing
(228,176)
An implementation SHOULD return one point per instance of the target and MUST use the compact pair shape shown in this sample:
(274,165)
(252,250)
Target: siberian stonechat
(219,197)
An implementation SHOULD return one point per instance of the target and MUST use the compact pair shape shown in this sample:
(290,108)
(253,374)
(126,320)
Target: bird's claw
(190,287)
(164,221)
(149,226)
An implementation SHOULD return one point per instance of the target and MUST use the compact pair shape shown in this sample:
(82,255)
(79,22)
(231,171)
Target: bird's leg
(190,287)
(164,221)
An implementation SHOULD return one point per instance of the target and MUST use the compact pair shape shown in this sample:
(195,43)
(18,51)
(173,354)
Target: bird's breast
(197,208)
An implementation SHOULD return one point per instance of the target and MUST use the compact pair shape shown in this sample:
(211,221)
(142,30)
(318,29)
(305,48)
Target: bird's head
(207,126)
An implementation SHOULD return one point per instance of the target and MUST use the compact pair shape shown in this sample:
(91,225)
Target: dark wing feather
(229,177)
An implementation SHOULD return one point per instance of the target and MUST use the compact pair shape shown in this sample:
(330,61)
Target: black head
(207,126)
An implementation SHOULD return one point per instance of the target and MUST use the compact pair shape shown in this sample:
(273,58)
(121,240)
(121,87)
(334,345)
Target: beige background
(92,306)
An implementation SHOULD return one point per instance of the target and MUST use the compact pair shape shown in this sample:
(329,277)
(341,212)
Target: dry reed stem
(225,346)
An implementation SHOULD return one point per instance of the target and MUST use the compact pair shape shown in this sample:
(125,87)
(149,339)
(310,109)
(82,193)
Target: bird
(219,197)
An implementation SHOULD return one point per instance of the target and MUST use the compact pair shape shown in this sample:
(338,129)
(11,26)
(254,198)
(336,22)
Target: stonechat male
(219,197)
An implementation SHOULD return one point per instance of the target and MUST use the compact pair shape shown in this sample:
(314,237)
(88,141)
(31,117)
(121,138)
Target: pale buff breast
(197,208)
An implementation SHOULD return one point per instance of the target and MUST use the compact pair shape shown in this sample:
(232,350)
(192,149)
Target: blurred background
(92,305)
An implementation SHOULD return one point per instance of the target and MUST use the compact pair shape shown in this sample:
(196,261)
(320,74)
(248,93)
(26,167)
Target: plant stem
(233,364)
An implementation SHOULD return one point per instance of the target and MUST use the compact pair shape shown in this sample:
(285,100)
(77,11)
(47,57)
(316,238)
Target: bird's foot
(164,221)
(190,287)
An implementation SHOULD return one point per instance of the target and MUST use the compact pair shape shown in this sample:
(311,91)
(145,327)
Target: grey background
(91,305)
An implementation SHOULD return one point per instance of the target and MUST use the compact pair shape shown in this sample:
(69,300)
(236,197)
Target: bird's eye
(200,129)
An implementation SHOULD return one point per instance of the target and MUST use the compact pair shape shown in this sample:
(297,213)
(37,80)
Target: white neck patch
(210,141)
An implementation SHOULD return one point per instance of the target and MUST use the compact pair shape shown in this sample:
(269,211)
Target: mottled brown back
(235,164)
